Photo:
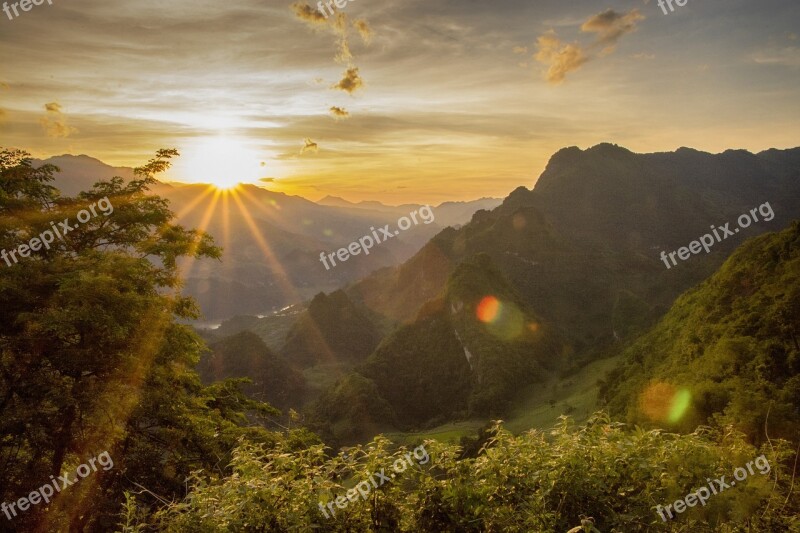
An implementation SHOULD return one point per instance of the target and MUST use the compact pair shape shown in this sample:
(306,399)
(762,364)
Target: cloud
(343,55)
(561,58)
(268,180)
(611,26)
(520,49)
(310,146)
(337,25)
(788,56)
(363,29)
(350,81)
(54,123)
(339,112)
(308,14)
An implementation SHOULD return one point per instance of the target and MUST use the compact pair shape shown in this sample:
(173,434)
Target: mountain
(245,355)
(566,287)
(447,213)
(583,247)
(727,350)
(80,172)
(467,353)
(331,330)
(271,241)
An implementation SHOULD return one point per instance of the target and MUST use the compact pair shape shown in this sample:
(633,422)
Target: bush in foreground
(603,475)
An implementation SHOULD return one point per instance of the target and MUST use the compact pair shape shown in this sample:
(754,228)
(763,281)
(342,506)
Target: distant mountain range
(552,278)
(576,259)
(272,241)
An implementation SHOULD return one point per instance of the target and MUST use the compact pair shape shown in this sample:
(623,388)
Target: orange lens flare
(488,309)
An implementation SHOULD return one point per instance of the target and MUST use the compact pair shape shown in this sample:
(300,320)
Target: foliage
(245,355)
(732,343)
(91,356)
(604,475)
(331,329)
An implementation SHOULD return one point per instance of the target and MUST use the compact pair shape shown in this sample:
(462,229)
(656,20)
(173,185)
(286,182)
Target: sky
(400,101)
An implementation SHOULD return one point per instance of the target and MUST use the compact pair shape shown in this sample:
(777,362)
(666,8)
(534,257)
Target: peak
(608,148)
(686,150)
(737,152)
(334,201)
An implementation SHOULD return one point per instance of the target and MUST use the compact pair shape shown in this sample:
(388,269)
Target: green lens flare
(680,403)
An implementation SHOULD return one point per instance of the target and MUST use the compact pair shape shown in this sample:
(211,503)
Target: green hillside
(245,355)
(727,351)
(332,329)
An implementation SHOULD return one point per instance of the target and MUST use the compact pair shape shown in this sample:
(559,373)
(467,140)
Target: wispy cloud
(611,26)
(788,56)
(561,57)
(54,123)
(310,146)
(363,29)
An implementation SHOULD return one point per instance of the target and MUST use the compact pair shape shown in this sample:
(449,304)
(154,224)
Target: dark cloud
(610,26)
(308,14)
(339,112)
(350,81)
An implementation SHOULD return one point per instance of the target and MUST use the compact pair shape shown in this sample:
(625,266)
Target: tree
(91,356)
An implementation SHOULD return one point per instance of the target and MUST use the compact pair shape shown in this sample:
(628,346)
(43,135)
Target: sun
(224,162)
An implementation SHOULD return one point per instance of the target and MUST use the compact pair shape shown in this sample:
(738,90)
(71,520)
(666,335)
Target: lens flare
(680,403)
(502,319)
(662,402)
(488,309)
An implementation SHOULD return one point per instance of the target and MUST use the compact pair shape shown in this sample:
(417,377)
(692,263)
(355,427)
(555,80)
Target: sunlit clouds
(562,58)
(610,26)
(436,103)
(54,123)
(339,112)
(350,81)
(309,146)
